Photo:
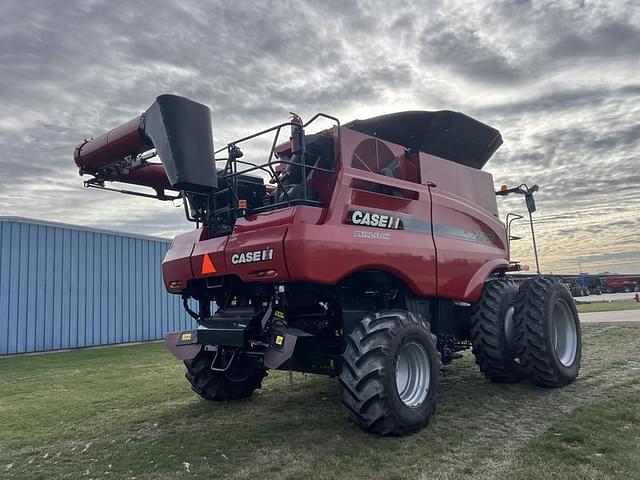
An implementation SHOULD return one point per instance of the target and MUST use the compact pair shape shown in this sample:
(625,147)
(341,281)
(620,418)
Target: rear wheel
(548,338)
(492,332)
(239,381)
(390,373)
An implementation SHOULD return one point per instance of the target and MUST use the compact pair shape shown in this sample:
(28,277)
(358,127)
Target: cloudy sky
(560,80)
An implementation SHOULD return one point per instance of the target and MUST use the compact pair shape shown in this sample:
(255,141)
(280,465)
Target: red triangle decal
(207,265)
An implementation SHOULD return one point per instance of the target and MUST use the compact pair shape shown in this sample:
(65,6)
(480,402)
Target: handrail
(234,167)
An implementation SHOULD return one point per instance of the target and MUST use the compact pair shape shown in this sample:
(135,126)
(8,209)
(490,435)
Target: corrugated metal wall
(63,287)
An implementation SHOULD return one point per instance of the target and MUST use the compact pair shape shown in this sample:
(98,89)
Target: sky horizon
(560,81)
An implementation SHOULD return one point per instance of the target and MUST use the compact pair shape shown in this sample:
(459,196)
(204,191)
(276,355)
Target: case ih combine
(371,252)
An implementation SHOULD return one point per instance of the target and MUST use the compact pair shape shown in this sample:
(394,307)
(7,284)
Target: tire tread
(363,370)
(216,386)
(532,347)
(485,333)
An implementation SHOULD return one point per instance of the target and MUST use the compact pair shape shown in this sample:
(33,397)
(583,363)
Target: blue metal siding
(64,287)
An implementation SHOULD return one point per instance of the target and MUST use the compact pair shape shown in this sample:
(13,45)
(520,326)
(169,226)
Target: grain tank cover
(180,131)
(446,134)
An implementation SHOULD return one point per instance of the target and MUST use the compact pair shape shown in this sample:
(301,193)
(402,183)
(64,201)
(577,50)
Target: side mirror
(531,203)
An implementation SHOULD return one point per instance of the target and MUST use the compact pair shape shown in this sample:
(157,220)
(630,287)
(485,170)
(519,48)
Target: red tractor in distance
(371,252)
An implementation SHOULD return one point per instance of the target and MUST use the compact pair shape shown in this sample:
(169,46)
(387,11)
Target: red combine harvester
(616,284)
(371,251)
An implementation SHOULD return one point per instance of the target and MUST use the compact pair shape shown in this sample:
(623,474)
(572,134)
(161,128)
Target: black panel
(180,130)
(319,145)
(226,333)
(446,134)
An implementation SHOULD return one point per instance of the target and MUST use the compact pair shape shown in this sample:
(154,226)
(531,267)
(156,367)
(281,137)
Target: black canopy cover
(446,134)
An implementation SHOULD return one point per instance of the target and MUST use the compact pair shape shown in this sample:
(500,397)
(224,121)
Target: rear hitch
(224,366)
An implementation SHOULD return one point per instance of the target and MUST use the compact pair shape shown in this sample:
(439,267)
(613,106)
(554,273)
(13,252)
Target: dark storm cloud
(467,53)
(562,100)
(559,80)
(522,42)
(615,38)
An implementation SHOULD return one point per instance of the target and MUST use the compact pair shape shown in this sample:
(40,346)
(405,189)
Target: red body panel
(451,239)
(215,248)
(468,235)
(259,240)
(176,266)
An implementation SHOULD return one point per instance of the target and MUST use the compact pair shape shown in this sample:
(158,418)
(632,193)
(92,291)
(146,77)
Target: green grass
(599,440)
(128,412)
(608,306)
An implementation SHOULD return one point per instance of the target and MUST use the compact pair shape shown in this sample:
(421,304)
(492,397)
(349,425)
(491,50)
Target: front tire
(240,381)
(548,337)
(390,373)
(492,333)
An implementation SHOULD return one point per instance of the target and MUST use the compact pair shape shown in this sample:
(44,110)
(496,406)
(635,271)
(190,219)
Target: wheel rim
(565,335)
(413,374)
(508,327)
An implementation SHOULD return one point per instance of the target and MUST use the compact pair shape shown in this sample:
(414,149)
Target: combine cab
(371,252)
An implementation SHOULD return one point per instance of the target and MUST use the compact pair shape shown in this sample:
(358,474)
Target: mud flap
(183,345)
(283,344)
(280,350)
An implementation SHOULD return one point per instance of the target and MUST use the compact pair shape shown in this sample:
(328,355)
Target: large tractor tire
(390,373)
(547,333)
(492,333)
(237,382)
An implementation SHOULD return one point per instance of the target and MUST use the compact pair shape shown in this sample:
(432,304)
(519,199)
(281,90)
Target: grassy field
(128,413)
(608,306)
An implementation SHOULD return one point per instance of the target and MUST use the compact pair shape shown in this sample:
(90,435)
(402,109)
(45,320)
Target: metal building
(64,286)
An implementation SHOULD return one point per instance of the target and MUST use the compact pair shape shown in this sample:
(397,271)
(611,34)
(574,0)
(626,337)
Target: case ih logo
(252,257)
(370,219)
